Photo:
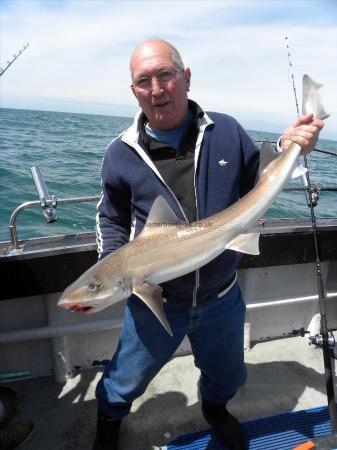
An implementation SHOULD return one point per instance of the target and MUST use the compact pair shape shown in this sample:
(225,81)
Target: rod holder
(48,203)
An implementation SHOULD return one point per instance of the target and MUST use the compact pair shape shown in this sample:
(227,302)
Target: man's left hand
(304,132)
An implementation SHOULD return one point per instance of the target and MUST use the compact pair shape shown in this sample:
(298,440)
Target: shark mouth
(83,309)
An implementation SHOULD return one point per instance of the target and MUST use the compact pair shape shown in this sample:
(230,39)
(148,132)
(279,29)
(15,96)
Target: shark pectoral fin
(245,243)
(152,297)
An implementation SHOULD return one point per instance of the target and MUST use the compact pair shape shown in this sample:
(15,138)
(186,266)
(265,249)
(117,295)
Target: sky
(78,57)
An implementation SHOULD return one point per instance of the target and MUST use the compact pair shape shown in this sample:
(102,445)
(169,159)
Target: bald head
(163,96)
(148,47)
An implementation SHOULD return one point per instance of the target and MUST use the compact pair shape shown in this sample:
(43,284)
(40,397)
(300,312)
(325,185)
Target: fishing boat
(54,358)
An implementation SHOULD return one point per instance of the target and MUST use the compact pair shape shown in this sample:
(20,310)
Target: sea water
(69,149)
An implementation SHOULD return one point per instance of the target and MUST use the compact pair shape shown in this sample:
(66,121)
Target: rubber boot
(107,433)
(9,404)
(226,427)
(15,436)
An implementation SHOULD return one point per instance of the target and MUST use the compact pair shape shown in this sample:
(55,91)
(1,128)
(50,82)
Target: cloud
(79,53)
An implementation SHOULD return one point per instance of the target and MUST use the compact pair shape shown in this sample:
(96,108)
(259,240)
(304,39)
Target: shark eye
(93,287)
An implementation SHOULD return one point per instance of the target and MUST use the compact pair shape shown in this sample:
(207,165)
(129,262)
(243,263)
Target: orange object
(306,446)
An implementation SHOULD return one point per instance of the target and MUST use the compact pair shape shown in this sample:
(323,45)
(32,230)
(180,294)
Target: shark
(168,247)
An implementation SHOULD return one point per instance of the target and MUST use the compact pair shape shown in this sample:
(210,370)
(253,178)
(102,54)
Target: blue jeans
(215,330)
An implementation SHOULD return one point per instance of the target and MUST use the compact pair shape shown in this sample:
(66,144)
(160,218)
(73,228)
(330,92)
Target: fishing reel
(313,192)
(317,339)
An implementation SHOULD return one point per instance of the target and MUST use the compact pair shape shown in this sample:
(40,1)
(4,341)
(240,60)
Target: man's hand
(304,132)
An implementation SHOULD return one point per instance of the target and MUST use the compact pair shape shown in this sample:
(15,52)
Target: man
(200,163)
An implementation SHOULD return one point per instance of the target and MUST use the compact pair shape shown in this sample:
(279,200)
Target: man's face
(164,104)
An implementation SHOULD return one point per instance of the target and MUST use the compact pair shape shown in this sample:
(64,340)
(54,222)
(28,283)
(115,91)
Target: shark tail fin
(312,102)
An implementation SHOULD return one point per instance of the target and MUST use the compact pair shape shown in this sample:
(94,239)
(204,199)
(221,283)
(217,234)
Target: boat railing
(47,202)
(13,233)
(50,203)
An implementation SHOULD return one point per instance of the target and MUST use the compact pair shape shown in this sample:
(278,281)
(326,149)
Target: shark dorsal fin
(161,214)
(267,155)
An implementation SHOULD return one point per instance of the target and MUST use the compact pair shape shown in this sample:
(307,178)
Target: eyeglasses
(163,77)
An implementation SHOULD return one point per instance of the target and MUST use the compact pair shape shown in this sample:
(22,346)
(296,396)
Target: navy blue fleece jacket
(226,167)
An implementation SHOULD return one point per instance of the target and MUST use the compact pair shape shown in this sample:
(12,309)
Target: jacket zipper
(197,272)
(177,201)
(197,149)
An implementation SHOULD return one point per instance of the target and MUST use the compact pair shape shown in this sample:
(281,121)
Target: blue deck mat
(282,432)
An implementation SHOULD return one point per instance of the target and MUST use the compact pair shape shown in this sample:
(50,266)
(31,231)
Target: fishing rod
(9,63)
(326,152)
(313,188)
(323,339)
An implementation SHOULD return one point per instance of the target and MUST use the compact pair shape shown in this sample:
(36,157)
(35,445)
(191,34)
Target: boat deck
(283,375)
